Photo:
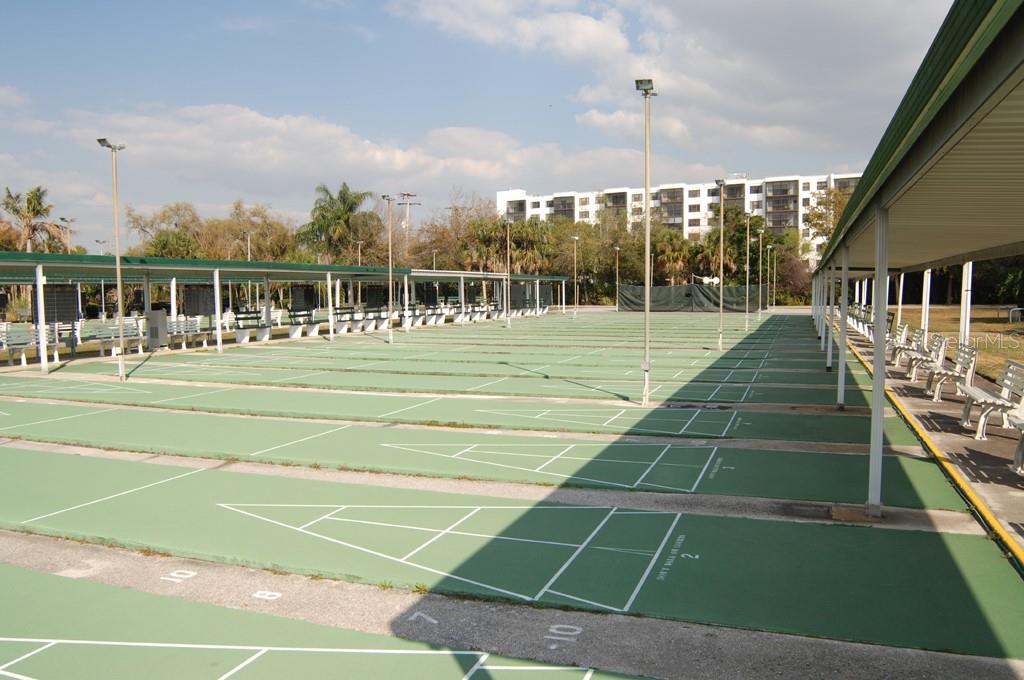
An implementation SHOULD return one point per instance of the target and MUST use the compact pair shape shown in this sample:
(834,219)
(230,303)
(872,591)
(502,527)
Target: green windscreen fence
(691,298)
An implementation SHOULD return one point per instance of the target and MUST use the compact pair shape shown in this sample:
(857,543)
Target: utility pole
(768,276)
(68,221)
(746,290)
(616,278)
(760,281)
(575,279)
(359,263)
(721,263)
(407,197)
(646,88)
(508,274)
(114,148)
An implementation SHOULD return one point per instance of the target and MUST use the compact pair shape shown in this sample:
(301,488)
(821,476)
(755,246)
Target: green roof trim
(967,31)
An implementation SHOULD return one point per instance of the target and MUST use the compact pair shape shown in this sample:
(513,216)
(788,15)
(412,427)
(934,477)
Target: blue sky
(446,98)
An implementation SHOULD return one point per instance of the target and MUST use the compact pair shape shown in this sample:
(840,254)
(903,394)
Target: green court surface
(512,386)
(936,591)
(464,411)
(484,455)
(90,631)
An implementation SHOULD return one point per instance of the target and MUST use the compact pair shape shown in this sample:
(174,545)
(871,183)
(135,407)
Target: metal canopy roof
(19,268)
(950,166)
(453,275)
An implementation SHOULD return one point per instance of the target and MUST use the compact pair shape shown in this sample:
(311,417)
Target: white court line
(243,664)
(244,648)
(422,403)
(465,450)
(650,565)
(298,441)
(442,533)
(652,465)
(729,424)
(475,667)
(746,393)
(487,384)
(297,377)
(25,656)
(107,498)
(323,517)
(605,423)
(714,392)
(376,553)
(711,457)
(580,599)
(569,359)
(189,396)
(551,460)
(689,422)
(53,420)
(411,527)
(576,554)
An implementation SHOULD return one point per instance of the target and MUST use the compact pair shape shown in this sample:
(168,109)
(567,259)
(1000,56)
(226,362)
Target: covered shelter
(942,187)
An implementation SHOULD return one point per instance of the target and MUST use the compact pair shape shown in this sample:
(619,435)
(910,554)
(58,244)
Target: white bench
(1007,401)
(962,373)
(16,339)
(898,341)
(302,321)
(109,336)
(68,334)
(933,356)
(186,329)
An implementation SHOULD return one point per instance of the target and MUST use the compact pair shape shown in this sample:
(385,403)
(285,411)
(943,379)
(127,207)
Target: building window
(693,193)
(822,185)
(848,184)
(638,198)
(693,207)
(694,223)
(535,205)
(807,203)
(585,200)
(584,214)
(713,192)
(551,204)
(806,186)
(756,205)
(758,189)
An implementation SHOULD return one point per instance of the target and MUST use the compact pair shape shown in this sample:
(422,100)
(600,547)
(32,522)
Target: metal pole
(830,327)
(721,264)
(359,263)
(646,365)
(616,278)
(874,504)
(44,366)
(899,300)
(746,290)
(508,274)
(216,311)
(967,278)
(575,279)
(760,280)
(117,270)
(330,308)
(775,278)
(768,277)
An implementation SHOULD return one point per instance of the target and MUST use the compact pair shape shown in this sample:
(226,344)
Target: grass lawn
(996,339)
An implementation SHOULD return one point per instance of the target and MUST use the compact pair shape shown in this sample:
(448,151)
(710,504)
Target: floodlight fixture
(105,143)
(645,85)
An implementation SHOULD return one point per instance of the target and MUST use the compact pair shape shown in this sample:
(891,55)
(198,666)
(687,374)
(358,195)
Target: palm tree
(673,253)
(29,213)
(328,231)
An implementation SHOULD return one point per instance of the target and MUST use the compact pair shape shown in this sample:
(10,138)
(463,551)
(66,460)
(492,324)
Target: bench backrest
(965,361)
(300,316)
(17,334)
(1011,382)
(917,339)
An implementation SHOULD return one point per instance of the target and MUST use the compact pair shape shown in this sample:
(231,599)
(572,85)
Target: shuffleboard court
(709,469)
(464,411)
(91,631)
(949,592)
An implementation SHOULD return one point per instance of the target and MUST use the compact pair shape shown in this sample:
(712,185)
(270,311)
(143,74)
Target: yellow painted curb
(991,521)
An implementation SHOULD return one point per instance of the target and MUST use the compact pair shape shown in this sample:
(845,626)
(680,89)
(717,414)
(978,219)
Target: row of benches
(929,354)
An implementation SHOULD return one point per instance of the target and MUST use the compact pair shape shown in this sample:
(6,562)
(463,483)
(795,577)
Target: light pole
(114,148)
(248,258)
(406,223)
(508,274)
(391,337)
(68,221)
(646,88)
(768,275)
(746,290)
(775,277)
(760,281)
(575,278)
(359,263)
(721,262)
(616,278)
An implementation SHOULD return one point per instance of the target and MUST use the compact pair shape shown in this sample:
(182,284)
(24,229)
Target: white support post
(44,365)
(856,292)
(267,318)
(337,292)
(147,304)
(563,297)
(829,327)
(536,295)
(218,332)
(823,286)
(899,300)
(462,297)
(406,321)
(966,280)
(330,308)
(843,309)
(874,504)
(174,297)
(926,300)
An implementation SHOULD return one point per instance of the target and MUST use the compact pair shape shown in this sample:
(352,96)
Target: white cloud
(631,124)
(11,97)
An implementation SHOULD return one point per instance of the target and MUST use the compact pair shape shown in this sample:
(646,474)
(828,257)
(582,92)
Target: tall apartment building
(782,201)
